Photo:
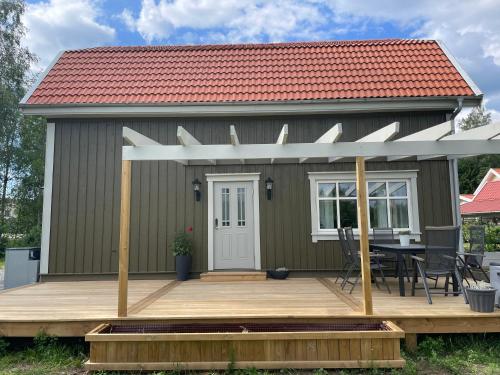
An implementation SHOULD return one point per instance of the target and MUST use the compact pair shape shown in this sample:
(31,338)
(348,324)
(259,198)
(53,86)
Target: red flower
(189,229)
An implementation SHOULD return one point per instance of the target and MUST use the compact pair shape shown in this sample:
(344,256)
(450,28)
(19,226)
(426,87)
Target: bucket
(481,300)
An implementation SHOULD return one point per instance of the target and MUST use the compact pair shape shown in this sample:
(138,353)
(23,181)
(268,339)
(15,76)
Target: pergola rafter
(433,142)
(331,136)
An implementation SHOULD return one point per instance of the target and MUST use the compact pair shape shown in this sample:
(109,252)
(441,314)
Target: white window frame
(410,176)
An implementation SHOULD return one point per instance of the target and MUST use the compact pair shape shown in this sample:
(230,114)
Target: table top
(396,247)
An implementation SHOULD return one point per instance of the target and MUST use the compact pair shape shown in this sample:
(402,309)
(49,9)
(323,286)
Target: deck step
(233,276)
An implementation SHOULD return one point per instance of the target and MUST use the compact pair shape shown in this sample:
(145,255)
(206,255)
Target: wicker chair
(440,260)
(375,261)
(348,261)
(474,258)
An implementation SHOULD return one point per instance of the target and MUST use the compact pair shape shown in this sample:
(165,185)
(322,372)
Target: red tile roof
(250,73)
(487,200)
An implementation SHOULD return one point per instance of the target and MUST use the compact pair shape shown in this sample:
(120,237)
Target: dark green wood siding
(86,187)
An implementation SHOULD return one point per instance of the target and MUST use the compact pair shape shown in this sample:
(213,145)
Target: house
(251,214)
(484,203)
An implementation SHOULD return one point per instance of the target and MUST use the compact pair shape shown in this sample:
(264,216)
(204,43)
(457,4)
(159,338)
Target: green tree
(477,117)
(28,189)
(15,61)
(472,170)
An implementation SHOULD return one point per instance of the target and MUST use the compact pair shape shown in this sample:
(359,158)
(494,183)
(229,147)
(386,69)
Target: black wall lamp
(269,188)
(196,188)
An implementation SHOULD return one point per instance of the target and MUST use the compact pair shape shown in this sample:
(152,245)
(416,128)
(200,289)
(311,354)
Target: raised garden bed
(260,345)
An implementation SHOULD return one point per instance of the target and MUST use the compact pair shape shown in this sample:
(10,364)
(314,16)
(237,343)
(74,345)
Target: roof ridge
(298,44)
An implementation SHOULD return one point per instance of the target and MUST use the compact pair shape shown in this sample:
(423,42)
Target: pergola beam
(364,247)
(282,137)
(186,139)
(137,139)
(123,257)
(384,134)
(485,132)
(234,139)
(434,133)
(311,150)
(331,136)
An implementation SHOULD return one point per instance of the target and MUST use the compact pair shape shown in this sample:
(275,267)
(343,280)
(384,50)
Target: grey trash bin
(22,266)
(495,280)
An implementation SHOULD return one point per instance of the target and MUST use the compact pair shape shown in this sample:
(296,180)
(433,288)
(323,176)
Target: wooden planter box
(265,346)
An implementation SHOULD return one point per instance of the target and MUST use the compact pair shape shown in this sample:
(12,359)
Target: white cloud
(57,25)
(469,30)
(241,20)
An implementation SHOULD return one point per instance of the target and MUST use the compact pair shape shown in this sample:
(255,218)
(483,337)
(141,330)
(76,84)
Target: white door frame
(233,177)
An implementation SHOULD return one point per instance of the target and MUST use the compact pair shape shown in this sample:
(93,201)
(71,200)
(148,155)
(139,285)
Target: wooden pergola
(434,142)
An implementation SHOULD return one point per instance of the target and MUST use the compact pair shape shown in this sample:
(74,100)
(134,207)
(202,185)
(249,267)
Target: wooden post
(363,235)
(411,342)
(124,237)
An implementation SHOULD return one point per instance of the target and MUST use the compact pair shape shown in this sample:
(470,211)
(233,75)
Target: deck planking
(70,308)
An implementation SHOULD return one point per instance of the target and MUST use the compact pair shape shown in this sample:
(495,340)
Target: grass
(442,354)
(42,356)
(2,262)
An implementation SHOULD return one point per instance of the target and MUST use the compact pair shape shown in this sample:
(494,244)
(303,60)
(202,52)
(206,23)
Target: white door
(233,225)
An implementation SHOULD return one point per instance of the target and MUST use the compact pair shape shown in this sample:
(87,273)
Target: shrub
(183,244)
(3,346)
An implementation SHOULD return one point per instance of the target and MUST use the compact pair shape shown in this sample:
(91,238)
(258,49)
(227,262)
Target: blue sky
(468,28)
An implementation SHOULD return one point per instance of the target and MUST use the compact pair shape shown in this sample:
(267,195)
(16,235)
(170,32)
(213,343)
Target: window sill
(333,236)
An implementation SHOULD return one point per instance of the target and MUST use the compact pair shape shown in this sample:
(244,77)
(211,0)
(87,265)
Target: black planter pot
(481,300)
(183,266)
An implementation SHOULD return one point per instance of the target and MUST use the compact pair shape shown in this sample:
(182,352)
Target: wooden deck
(74,308)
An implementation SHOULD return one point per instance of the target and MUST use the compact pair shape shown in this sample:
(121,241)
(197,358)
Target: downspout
(453,168)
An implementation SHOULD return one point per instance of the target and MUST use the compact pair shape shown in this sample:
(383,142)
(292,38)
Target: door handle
(216,223)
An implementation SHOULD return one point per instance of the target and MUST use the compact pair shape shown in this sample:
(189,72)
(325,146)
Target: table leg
(401,275)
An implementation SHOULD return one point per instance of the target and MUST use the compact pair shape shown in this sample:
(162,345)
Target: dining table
(400,251)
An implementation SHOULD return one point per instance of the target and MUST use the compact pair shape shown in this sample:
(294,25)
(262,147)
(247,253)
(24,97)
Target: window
(241,206)
(225,207)
(390,202)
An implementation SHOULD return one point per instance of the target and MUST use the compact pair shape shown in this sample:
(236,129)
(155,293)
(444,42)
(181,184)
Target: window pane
(378,213)
(348,213)
(347,189)
(327,214)
(225,207)
(241,206)
(377,189)
(397,189)
(399,213)
(326,190)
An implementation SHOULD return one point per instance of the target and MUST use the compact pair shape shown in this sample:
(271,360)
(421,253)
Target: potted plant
(182,248)
(481,296)
(404,237)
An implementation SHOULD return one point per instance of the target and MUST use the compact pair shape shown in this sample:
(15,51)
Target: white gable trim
(461,70)
(485,179)
(40,78)
(47,198)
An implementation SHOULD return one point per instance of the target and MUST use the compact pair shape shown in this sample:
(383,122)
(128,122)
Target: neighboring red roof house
(486,198)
